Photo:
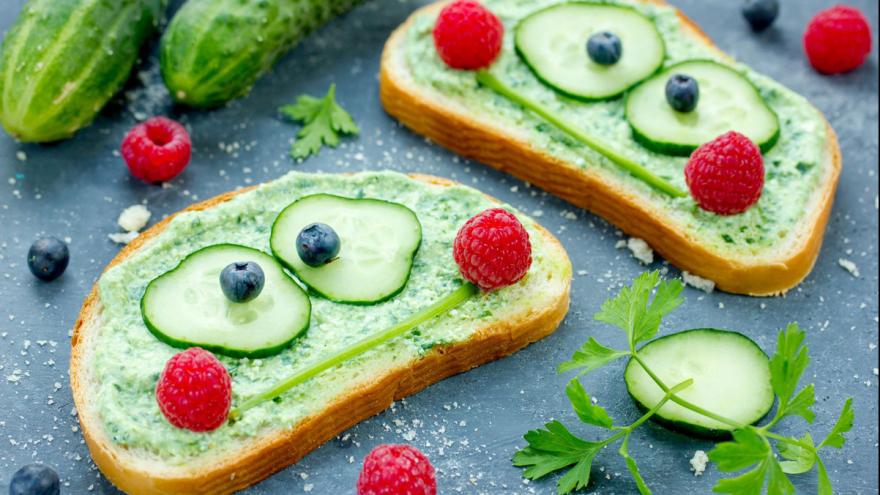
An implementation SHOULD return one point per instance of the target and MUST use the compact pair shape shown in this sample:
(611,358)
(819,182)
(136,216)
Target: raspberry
(467,35)
(837,40)
(156,150)
(492,249)
(726,175)
(194,391)
(396,470)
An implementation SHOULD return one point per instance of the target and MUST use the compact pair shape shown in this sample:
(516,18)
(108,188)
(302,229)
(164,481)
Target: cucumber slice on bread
(728,102)
(553,43)
(378,241)
(186,306)
(731,378)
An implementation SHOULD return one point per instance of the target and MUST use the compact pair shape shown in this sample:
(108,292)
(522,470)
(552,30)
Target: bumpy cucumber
(728,101)
(553,43)
(731,378)
(186,306)
(63,59)
(378,241)
(214,50)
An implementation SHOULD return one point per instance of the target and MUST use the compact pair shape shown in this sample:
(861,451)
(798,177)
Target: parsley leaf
(800,460)
(584,407)
(555,448)
(844,423)
(631,312)
(747,448)
(324,120)
(590,356)
(789,362)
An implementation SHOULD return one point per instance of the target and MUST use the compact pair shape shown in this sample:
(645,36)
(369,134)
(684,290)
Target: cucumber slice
(731,378)
(379,240)
(553,43)
(186,307)
(728,101)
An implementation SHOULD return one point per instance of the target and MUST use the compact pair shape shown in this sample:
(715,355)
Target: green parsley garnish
(323,122)
(753,449)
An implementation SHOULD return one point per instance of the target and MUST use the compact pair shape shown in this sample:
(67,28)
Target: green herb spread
(128,358)
(794,165)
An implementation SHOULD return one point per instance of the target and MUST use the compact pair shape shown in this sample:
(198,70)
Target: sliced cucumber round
(553,43)
(186,307)
(728,102)
(378,241)
(731,378)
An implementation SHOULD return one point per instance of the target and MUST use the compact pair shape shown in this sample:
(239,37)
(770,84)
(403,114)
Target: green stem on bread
(488,80)
(443,306)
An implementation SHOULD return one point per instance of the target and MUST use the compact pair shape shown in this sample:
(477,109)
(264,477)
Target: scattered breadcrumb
(698,282)
(640,250)
(699,462)
(134,218)
(849,266)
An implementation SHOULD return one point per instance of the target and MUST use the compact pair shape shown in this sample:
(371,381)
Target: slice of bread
(507,145)
(533,309)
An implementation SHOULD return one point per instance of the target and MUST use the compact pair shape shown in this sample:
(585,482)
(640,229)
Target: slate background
(471,424)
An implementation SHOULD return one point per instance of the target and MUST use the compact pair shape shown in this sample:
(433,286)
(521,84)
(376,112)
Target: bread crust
(424,111)
(256,460)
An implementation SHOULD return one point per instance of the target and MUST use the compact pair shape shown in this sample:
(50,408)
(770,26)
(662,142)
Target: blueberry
(604,48)
(35,479)
(682,92)
(760,13)
(317,244)
(242,281)
(48,258)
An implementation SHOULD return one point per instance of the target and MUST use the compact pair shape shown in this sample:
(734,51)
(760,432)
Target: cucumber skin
(681,426)
(214,50)
(63,60)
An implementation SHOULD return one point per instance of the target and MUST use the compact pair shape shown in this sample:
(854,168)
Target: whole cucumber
(63,59)
(214,50)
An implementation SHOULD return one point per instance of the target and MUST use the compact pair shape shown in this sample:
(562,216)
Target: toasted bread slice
(631,206)
(538,306)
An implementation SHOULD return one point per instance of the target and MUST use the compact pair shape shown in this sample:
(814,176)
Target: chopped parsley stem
(443,306)
(636,169)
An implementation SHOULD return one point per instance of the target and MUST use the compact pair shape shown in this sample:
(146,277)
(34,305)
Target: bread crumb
(699,462)
(134,218)
(849,266)
(123,237)
(697,282)
(640,250)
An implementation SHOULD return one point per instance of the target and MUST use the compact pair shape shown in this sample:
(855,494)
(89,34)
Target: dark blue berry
(682,92)
(760,13)
(242,281)
(48,258)
(604,48)
(317,244)
(35,479)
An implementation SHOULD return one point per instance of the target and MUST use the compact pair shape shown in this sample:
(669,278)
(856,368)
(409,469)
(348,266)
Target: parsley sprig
(752,449)
(323,122)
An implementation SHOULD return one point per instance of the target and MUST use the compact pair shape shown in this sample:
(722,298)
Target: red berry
(467,35)
(492,250)
(156,150)
(837,40)
(396,470)
(726,175)
(194,391)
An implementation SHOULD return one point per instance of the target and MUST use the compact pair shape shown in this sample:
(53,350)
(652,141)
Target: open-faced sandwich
(230,340)
(626,108)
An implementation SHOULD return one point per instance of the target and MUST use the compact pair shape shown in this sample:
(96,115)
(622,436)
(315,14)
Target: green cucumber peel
(635,169)
(443,306)
(766,457)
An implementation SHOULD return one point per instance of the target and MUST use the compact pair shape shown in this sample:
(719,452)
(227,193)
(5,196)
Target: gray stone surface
(469,425)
